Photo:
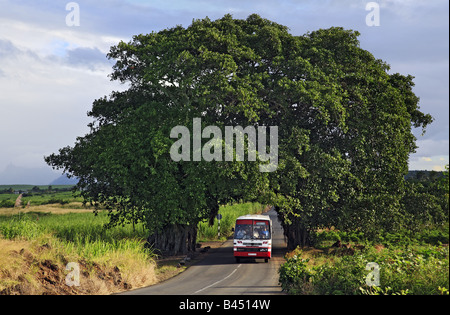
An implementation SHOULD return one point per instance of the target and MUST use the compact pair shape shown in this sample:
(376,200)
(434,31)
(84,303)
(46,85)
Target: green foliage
(419,270)
(295,275)
(7,203)
(334,235)
(424,203)
(382,291)
(434,236)
(344,277)
(422,270)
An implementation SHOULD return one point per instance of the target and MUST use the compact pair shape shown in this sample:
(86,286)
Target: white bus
(253,237)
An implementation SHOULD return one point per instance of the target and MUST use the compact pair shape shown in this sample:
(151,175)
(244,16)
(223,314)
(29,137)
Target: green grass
(41,198)
(82,233)
(72,226)
(29,187)
(73,237)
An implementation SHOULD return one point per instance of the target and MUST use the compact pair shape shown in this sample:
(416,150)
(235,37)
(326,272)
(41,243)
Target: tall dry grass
(111,260)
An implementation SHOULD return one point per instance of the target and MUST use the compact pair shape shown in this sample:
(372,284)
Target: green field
(61,194)
(29,187)
(67,199)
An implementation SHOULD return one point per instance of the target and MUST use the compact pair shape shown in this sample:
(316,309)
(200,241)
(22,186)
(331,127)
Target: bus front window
(261,231)
(252,229)
(243,232)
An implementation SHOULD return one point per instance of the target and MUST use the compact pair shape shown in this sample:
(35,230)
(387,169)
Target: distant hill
(64,180)
(16,175)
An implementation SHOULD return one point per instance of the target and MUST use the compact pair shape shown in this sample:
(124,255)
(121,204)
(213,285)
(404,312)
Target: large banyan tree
(344,130)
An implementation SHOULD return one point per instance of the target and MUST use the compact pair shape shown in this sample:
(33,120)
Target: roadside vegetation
(37,246)
(40,238)
(418,266)
(414,260)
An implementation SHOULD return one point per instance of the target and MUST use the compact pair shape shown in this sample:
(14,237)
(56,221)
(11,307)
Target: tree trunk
(174,239)
(296,233)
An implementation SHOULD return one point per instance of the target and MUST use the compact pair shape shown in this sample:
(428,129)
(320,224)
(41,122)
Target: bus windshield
(252,230)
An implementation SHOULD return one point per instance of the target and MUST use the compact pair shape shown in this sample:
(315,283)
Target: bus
(253,237)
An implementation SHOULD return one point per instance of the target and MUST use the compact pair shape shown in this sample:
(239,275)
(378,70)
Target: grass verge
(36,249)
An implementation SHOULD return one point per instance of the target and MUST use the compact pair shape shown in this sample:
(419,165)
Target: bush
(294,275)
(419,271)
(56,200)
(435,236)
(7,203)
(344,277)
(333,236)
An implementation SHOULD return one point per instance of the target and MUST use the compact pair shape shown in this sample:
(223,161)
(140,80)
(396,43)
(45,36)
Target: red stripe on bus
(244,222)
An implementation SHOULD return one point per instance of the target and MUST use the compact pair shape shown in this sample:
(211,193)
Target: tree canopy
(344,129)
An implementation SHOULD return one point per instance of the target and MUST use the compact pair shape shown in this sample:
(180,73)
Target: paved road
(218,273)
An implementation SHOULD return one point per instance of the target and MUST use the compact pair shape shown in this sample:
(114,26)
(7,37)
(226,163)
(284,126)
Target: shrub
(344,277)
(420,271)
(294,275)
(7,203)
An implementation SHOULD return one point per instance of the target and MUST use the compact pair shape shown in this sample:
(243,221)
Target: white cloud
(434,162)
(438,168)
(46,101)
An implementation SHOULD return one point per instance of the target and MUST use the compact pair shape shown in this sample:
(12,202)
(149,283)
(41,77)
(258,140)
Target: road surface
(218,273)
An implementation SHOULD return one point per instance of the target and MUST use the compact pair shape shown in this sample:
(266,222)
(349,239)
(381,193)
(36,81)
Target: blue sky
(50,72)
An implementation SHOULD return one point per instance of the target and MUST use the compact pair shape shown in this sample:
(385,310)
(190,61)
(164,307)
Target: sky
(53,61)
